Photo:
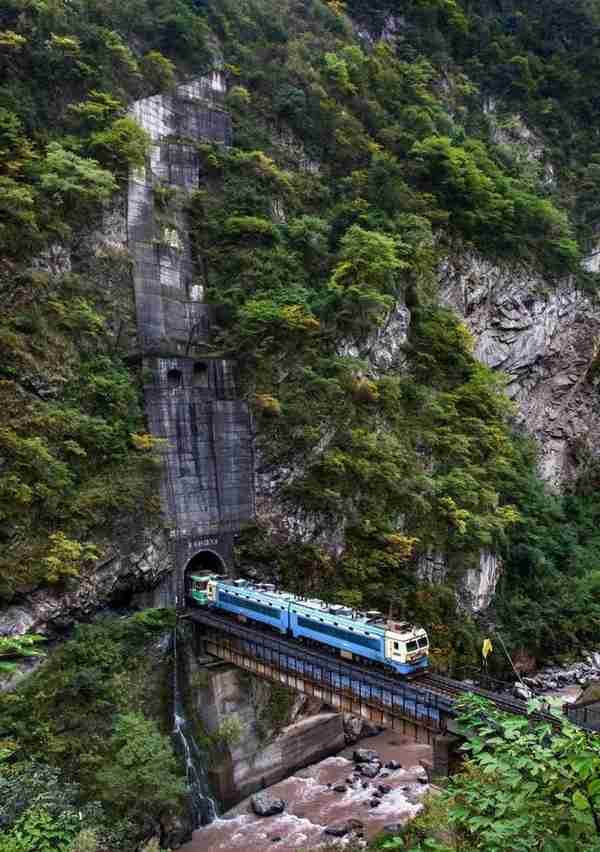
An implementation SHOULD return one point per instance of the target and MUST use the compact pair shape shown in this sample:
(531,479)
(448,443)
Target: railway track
(438,686)
(454,689)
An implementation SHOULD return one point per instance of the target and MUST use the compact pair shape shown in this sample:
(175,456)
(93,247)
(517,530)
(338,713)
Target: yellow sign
(486,648)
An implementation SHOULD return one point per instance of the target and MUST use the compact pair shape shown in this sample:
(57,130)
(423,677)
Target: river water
(312,804)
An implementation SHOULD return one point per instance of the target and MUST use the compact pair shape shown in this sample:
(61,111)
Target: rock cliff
(136,565)
(544,336)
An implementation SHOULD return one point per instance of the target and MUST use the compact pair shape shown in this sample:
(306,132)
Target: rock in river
(370,770)
(341,829)
(364,755)
(265,805)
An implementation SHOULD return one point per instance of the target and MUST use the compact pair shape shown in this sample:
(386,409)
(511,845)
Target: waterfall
(202,804)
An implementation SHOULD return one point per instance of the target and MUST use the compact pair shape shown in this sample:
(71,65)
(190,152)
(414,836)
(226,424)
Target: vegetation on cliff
(358,162)
(84,742)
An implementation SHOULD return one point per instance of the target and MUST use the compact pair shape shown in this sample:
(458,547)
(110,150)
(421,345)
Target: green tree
(141,774)
(122,145)
(526,786)
(365,278)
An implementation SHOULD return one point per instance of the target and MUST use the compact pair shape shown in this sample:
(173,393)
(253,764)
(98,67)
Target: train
(352,634)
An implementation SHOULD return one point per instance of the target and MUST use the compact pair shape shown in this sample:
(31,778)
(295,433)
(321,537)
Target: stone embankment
(555,677)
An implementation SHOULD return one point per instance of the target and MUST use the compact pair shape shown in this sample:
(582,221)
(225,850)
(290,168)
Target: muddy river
(312,804)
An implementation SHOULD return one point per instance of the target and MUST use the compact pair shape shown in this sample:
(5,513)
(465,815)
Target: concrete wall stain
(192,399)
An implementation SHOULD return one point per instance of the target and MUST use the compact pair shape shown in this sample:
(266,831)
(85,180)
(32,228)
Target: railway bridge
(423,707)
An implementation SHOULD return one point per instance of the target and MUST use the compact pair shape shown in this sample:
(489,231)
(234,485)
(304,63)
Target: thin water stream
(202,805)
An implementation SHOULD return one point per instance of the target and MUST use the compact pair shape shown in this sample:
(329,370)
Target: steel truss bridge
(424,706)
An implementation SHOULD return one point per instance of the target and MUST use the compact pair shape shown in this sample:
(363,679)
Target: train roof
(372,620)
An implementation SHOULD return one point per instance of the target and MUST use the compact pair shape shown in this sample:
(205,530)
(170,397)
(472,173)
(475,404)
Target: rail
(345,685)
(430,691)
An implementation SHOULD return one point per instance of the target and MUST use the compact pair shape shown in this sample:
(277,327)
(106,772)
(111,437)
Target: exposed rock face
(474,586)
(384,348)
(259,756)
(288,521)
(113,579)
(545,338)
(477,585)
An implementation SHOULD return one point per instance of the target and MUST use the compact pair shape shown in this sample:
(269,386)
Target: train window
(423,642)
(411,646)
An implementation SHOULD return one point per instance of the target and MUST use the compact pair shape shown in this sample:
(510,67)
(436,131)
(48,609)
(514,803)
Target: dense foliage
(70,423)
(84,743)
(525,787)
(535,59)
(74,457)
(353,169)
(549,596)
(357,163)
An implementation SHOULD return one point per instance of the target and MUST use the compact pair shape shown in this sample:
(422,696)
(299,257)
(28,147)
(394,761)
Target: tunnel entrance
(203,563)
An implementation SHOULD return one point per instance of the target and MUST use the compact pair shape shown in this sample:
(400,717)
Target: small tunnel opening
(200,374)
(174,379)
(203,563)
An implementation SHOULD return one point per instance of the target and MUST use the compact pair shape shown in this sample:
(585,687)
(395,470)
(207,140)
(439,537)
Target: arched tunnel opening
(201,565)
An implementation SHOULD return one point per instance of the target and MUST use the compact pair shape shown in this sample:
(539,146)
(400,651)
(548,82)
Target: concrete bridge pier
(446,757)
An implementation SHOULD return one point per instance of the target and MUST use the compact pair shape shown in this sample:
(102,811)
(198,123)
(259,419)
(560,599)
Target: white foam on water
(396,804)
(294,822)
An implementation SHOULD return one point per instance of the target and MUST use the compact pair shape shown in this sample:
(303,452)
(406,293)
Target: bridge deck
(428,699)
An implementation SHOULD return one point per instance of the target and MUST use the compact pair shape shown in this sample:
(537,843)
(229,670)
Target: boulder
(521,691)
(374,803)
(384,789)
(265,805)
(176,830)
(341,829)
(393,828)
(338,829)
(353,726)
(364,755)
(340,788)
(370,770)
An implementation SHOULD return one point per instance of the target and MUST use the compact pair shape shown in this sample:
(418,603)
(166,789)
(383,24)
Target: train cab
(406,646)
(199,588)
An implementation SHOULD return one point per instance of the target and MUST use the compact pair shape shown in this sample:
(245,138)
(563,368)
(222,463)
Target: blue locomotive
(397,645)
